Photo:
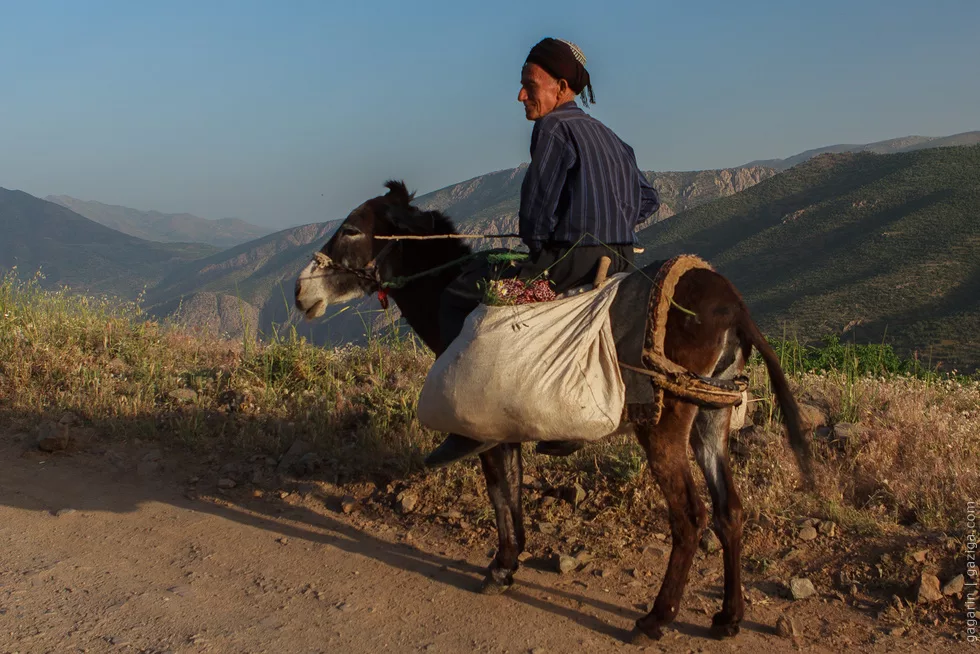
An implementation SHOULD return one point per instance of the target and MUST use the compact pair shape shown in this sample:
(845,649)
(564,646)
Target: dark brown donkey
(716,342)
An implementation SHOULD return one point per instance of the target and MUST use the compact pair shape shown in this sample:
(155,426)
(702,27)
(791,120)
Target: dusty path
(132,564)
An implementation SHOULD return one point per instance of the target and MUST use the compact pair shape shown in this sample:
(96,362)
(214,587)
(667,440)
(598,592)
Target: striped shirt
(582,185)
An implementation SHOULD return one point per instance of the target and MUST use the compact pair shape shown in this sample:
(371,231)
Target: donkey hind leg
(666,447)
(503,469)
(709,439)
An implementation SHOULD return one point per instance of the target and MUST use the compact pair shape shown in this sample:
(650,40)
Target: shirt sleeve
(649,198)
(551,158)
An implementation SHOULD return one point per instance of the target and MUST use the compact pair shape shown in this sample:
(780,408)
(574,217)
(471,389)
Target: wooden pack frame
(665,375)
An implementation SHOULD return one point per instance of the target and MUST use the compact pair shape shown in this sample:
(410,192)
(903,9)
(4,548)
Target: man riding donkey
(581,200)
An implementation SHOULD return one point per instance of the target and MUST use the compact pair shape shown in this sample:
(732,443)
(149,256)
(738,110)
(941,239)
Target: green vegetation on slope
(884,248)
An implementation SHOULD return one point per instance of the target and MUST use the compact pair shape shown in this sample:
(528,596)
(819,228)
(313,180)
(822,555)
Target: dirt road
(97,557)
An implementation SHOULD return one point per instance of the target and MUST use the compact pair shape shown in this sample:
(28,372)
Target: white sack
(535,372)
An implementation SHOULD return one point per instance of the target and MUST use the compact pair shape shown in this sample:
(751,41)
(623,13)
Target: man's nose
(521,95)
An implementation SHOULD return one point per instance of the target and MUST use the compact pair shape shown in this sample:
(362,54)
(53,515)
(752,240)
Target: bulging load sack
(533,372)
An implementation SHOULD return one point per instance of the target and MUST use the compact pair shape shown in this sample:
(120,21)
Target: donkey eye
(350,230)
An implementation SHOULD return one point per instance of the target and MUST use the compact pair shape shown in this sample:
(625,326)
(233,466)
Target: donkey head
(355,247)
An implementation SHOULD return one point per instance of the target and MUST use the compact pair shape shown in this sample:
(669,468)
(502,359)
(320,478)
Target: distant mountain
(489,203)
(75,251)
(891,146)
(885,247)
(164,227)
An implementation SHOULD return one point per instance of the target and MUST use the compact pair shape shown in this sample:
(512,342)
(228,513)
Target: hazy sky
(289,112)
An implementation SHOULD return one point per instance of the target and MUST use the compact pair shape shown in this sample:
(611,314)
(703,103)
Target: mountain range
(164,227)
(72,250)
(891,146)
(743,219)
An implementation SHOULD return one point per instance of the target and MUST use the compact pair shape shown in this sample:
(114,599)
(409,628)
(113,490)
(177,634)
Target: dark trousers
(567,267)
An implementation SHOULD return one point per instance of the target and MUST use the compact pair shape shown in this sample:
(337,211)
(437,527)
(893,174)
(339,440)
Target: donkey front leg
(503,468)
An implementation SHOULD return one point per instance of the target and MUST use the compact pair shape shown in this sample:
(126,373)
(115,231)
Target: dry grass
(916,462)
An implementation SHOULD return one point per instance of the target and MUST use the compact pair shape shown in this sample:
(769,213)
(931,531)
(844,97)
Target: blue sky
(296,111)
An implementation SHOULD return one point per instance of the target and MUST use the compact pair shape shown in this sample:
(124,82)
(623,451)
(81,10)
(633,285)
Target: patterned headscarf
(563,60)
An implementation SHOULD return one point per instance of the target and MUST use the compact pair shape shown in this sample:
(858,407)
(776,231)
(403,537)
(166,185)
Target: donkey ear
(398,192)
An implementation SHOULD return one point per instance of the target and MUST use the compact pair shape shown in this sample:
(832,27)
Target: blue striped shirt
(582,185)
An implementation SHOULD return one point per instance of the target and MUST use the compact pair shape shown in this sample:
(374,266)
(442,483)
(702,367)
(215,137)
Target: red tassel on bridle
(383,299)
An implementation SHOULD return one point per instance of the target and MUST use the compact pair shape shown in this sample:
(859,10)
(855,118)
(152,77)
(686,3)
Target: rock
(954,585)
(183,394)
(347,503)
(546,528)
(67,418)
(524,556)
(293,455)
(548,501)
(565,564)
(656,551)
(848,434)
(896,632)
(527,480)
(307,464)
(928,590)
(709,541)
(827,528)
(181,591)
(583,556)
(407,501)
(153,455)
(605,573)
(812,416)
(52,437)
(538,650)
(63,512)
(786,627)
(226,483)
(808,533)
(920,556)
(801,588)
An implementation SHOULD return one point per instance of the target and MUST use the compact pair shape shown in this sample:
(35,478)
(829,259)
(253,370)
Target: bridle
(370,273)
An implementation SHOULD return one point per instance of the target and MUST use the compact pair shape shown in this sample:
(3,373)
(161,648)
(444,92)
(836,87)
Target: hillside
(75,251)
(890,146)
(252,285)
(164,227)
(884,246)
(489,203)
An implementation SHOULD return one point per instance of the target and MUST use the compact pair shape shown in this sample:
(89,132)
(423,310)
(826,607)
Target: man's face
(540,92)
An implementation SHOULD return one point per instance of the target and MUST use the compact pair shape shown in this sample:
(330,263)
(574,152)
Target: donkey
(715,341)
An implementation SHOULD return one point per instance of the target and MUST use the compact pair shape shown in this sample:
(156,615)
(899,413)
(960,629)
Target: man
(581,199)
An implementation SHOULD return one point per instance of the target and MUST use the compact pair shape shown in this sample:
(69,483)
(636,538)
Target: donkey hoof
(642,636)
(491,586)
(722,626)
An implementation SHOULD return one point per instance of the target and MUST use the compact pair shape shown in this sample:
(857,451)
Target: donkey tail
(749,332)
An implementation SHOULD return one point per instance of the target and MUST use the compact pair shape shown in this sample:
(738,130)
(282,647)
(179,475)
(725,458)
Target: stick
(600,276)
(434,237)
